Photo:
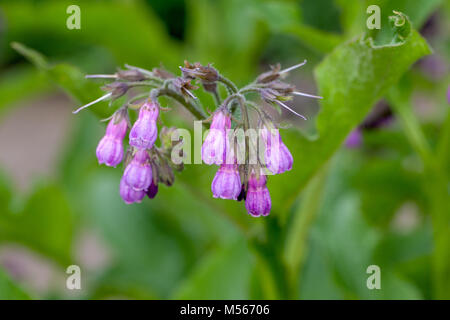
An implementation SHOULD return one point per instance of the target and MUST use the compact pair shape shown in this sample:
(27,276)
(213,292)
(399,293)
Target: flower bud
(128,194)
(131,75)
(227,182)
(145,131)
(258,200)
(196,70)
(138,173)
(213,149)
(110,148)
(117,89)
(184,87)
(152,189)
(165,173)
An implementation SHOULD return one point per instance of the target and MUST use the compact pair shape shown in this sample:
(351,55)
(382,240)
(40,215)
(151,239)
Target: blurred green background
(382,202)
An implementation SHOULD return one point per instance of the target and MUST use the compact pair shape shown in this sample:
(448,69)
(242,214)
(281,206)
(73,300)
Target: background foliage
(337,212)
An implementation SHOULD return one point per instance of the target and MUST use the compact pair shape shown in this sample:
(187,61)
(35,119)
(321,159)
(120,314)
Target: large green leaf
(351,79)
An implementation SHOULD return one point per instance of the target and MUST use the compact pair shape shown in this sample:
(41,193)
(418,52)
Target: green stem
(435,186)
(230,85)
(194,109)
(411,125)
(296,240)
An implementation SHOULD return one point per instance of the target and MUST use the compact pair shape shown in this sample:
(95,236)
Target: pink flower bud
(110,148)
(130,195)
(213,149)
(144,132)
(138,173)
(227,182)
(258,200)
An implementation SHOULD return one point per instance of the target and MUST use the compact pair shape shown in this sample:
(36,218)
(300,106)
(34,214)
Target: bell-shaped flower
(213,149)
(258,200)
(144,132)
(138,173)
(110,148)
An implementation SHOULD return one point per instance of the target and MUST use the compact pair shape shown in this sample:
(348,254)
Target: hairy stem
(193,108)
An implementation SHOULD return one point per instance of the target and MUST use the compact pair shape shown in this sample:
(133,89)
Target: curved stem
(194,109)
(228,83)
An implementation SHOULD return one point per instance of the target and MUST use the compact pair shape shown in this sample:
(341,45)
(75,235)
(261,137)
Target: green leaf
(70,78)
(44,225)
(224,274)
(9,290)
(318,40)
(19,83)
(351,79)
(130,30)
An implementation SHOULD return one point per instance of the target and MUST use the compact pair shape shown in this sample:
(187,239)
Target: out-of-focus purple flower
(110,148)
(227,182)
(138,173)
(258,200)
(152,190)
(434,66)
(354,139)
(277,156)
(144,132)
(128,194)
(213,149)
(448,94)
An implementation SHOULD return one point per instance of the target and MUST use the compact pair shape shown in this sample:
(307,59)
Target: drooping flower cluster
(240,176)
(141,174)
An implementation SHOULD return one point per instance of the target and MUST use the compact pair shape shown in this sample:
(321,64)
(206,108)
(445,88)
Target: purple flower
(144,132)
(152,190)
(278,159)
(448,94)
(128,194)
(354,139)
(227,182)
(110,148)
(138,173)
(258,200)
(213,149)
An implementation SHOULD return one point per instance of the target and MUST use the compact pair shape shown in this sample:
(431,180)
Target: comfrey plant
(246,149)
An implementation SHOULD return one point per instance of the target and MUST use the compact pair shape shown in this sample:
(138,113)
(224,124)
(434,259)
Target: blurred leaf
(70,78)
(128,29)
(226,33)
(385,185)
(223,274)
(19,83)
(417,10)
(351,79)
(353,16)
(44,225)
(153,247)
(35,57)
(318,40)
(9,290)
(343,245)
